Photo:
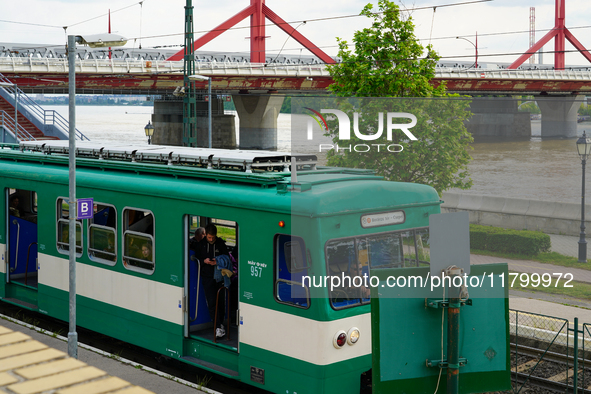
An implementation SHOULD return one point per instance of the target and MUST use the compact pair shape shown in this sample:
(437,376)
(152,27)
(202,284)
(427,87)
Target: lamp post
(584,149)
(149,129)
(475,48)
(208,79)
(93,41)
(13,85)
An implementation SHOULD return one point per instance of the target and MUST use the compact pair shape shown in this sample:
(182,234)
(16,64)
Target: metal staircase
(32,121)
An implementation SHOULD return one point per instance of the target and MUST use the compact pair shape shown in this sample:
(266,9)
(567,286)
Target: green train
(290,223)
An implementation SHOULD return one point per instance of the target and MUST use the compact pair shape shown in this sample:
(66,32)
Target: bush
(496,239)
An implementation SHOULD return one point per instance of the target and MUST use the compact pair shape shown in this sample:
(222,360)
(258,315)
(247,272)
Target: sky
(502,25)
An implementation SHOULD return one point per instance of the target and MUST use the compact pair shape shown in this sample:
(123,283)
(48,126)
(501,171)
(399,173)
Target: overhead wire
(102,15)
(320,19)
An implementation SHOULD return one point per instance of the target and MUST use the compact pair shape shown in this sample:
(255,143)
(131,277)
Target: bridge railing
(18,132)
(46,117)
(452,72)
(133,66)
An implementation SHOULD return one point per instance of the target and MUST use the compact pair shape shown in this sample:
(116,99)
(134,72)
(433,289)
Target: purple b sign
(85,210)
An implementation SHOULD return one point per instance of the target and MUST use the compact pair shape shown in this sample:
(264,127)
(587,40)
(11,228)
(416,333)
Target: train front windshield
(352,258)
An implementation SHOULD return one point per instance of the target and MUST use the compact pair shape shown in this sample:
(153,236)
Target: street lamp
(13,85)
(475,48)
(93,41)
(208,79)
(584,149)
(149,129)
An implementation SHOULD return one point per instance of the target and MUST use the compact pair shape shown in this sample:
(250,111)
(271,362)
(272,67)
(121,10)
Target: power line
(322,19)
(29,24)
(103,15)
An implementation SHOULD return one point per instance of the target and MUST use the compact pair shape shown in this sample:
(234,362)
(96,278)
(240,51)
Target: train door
(21,264)
(198,317)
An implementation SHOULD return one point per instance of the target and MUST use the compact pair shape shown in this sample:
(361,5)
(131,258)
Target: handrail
(8,123)
(18,233)
(193,258)
(47,117)
(27,263)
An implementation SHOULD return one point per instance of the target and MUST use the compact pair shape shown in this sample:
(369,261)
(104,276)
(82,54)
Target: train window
(138,240)
(291,265)
(102,230)
(351,258)
(63,228)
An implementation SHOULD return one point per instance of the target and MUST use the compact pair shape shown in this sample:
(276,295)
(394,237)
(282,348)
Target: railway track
(124,351)
(535,370)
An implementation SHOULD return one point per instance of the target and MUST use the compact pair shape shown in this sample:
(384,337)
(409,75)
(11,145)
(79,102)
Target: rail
(225,67)
(20,134)
(47,117)
(133,66)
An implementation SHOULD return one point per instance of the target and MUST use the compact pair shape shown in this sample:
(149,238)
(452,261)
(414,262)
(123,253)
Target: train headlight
(353,336)
(339,340)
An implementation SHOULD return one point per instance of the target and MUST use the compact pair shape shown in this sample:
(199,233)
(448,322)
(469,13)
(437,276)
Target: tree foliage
(388,61)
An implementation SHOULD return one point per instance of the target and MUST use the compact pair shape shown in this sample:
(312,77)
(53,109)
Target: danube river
(533,169)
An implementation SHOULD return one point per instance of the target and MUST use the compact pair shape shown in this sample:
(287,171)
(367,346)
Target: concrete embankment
(520,214)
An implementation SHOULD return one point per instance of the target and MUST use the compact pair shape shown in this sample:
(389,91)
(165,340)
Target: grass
(546,258)
(203,381)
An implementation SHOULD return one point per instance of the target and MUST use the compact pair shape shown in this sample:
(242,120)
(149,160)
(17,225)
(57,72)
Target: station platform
(32,362)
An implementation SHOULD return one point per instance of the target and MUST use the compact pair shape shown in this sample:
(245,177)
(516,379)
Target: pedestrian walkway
(563,244)
(542,303)
(32,362)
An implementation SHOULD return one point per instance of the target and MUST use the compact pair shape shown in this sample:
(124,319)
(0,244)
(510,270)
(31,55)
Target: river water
(534,169)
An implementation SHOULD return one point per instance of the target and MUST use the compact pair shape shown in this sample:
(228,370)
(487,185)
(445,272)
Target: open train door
(21,260)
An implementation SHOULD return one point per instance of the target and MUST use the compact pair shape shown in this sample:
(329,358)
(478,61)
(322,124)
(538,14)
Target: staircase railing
(7,122)
(47,117)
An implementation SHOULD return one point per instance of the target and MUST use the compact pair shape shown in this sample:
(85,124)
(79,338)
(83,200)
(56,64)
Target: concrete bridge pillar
(497,117)
(168,125)
(559,115)
(258,120)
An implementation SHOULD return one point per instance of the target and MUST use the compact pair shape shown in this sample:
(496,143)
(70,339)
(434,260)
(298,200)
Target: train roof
(326,188)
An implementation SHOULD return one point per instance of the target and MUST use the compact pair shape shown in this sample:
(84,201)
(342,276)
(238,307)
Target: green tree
(388,61)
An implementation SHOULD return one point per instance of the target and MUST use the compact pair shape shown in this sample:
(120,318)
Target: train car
(291,224)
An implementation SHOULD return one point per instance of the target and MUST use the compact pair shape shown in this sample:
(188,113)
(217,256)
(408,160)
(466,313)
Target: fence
(550,353)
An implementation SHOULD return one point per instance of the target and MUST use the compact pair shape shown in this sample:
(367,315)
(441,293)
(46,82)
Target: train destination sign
(84,210)
(382,219)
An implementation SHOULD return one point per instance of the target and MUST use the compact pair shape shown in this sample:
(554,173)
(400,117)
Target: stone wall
(520,214)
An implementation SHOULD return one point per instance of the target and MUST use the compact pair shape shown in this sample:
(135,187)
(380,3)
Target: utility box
(409,331)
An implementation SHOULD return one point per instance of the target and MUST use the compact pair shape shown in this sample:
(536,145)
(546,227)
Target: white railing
(132,66)
(452,73)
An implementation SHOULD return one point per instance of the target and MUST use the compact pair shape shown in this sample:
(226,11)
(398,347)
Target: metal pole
(209,109)
(453,341)
(72,334)
(576,357)
(582,241)
(476,48)
(15,109)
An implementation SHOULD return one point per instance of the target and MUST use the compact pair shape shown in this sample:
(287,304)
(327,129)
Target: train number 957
(256,271)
